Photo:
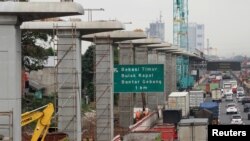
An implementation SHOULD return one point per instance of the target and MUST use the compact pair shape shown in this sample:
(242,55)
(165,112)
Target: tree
(33,55)
(87,72)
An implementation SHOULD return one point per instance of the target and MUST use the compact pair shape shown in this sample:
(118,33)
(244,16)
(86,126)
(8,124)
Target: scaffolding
(6,128)
(66,79)
(180,23)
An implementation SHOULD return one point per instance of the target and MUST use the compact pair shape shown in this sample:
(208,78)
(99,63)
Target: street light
(90,12)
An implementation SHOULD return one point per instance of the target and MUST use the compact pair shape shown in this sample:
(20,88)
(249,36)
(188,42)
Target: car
(246,107)
(236,119)
(229,96)
(246,99)
(232,108)
(240,90)
(240,96)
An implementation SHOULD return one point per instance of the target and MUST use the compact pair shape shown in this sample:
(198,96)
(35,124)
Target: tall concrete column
(69,83)
(152,98)
(162,60)
(169,74)
(104,89)
(12,15)
(126,56)
(174,76)
(141,57)
(10,76)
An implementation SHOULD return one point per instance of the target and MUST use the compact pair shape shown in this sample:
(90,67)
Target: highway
(225,119)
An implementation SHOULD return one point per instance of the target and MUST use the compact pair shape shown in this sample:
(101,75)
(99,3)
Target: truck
(196,97)
(179,100)
(227,87)
(214,108)
(194,129)
(216,95)
(234,86)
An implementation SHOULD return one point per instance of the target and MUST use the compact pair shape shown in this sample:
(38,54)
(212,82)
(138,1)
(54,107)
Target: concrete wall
(142,136)
(46,77)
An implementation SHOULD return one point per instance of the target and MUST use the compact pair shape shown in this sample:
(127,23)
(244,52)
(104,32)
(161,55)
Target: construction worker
(138,115)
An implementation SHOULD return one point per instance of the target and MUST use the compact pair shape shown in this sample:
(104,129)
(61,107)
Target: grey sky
(226,21)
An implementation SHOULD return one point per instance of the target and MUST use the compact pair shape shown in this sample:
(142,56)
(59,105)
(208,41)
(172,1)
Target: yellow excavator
(43,119)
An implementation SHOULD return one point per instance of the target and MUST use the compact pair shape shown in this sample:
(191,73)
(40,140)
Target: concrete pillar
(10,76)
(141,57)
(69,83)
(126,104)
(174,76)
(162,60)
(104,89)
(152,98)
(169,74)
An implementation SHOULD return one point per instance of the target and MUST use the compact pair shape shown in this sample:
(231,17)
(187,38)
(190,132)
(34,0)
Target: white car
(240,96)
(240,90)
(236,119)
(232,108)
(229,96)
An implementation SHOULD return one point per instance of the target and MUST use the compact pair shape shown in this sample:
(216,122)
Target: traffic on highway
(233,102)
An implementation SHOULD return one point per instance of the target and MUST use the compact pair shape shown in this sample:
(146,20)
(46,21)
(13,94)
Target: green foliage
(31,102)
(33,55)
(87,72)
(50,51)
(90,91)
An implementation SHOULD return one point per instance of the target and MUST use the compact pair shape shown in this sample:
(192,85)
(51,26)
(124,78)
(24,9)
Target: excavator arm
(43,119)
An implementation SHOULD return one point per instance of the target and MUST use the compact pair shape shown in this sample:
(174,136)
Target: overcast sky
(227,22)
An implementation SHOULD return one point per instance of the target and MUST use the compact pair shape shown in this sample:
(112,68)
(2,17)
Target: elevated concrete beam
(116,36)
(82,27)
(28,11)
(139,42)
(162,45)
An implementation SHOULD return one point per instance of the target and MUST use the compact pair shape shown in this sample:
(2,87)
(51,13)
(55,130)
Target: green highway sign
(139,78)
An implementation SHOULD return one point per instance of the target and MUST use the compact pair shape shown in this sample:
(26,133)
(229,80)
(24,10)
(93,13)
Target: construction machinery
(43,119)
(180,38)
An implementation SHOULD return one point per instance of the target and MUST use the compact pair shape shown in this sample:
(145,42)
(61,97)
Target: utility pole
(90,12)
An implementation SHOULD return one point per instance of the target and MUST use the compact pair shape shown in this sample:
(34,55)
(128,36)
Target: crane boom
(43,119)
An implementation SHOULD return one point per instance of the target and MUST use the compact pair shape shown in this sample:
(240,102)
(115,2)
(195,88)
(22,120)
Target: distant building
(195,36)
(45,78)
(156,30)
